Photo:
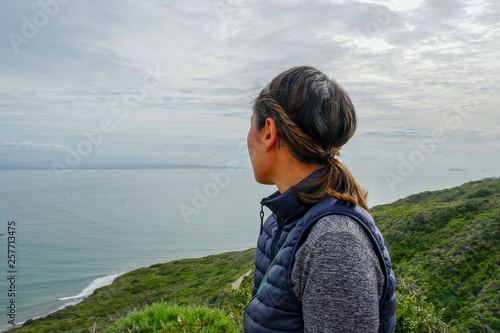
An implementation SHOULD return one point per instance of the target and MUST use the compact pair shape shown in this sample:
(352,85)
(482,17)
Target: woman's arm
(337,276)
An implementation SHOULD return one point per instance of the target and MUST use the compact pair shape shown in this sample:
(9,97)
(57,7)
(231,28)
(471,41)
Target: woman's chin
(262,180)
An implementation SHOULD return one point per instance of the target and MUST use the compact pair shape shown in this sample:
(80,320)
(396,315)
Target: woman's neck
(293,173)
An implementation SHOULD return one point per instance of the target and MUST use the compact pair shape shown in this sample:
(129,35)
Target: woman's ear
(271,138)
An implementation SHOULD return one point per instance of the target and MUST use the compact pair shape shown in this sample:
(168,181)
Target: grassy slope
(188,281)
(449,240)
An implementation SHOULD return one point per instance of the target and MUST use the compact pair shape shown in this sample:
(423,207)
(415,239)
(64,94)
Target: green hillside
(181,282)
(445,250)
(450,240)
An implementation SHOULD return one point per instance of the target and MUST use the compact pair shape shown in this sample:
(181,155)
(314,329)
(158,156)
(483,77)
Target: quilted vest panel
(274,306)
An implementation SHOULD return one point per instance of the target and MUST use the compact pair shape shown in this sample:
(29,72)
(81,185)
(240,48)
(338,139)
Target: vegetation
(163,317)
(414,313)
(449,241)
(445,251)
(182,282)
(236,300)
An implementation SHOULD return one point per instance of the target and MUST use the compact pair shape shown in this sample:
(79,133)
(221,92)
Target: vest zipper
(261,218)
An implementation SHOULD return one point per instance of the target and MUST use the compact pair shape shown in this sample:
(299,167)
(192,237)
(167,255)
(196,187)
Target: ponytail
(334,181)
(315,118)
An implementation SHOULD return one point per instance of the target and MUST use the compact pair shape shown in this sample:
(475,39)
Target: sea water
(74,236)
(78,234)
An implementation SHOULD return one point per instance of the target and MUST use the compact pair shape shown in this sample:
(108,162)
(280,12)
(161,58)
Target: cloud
(388,134)
(367,154)
(23,147)
(166,155)
(405,65)
(43,155)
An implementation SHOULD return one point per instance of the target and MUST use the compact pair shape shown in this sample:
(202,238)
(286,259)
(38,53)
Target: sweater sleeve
(337,276)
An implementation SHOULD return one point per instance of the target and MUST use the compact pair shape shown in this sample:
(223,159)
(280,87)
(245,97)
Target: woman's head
(314,117)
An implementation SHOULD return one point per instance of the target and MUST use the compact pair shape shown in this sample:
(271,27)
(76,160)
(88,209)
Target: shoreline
(183,282)
(73,300)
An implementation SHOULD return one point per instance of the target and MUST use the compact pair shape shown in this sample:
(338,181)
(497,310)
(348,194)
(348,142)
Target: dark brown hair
(314,118)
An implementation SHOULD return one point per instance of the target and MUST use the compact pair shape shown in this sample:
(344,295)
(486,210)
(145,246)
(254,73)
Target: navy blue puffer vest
(274,306)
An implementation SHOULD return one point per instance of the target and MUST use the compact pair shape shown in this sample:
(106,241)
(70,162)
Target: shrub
(237,300)
(480,193)
(414,313)
(163,317)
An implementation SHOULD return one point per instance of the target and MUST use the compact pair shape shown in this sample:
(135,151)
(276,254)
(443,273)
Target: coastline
(184,281)
(99,222)
(95,284)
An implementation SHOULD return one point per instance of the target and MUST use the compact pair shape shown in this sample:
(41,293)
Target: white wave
(97,283)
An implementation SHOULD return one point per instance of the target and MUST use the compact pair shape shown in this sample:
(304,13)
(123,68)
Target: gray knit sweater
(337,276)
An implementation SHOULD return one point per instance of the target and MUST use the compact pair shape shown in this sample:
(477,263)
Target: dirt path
(236,284)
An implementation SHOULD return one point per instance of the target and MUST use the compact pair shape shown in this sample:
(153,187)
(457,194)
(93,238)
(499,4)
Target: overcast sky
(96,82)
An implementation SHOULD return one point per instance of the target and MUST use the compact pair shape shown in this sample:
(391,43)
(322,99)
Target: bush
(480,193)
(163,317)
(414,313)
(236,301)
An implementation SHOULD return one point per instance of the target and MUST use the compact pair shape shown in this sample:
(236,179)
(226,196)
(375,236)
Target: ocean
(76,235)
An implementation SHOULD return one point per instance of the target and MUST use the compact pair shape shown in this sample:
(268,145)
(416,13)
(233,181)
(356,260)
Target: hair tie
(326,158)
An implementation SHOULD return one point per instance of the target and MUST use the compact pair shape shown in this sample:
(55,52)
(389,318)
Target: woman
(320,262)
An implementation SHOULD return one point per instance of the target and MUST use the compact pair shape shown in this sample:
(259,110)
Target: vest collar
(287,206)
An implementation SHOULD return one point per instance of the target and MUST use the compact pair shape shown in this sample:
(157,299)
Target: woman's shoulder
(337,225)
(339,237)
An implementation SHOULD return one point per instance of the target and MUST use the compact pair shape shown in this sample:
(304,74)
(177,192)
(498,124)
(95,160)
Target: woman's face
(257,152)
